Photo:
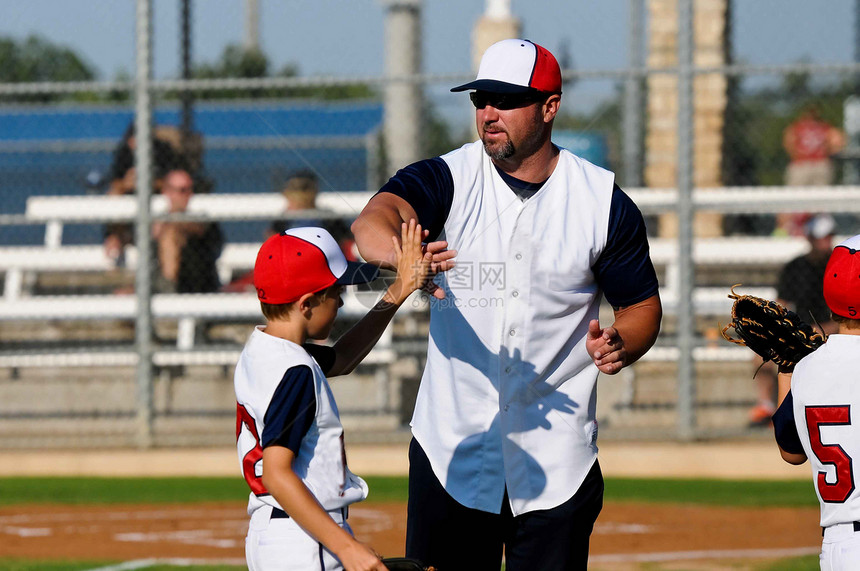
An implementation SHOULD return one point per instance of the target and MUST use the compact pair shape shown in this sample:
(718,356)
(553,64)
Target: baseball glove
(770,330)
(405,564)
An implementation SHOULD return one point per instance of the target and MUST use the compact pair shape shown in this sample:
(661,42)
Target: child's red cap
(304,260)
(842,279)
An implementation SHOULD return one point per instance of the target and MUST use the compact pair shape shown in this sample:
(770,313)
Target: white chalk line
(26,531)
(174,561)
(196,536)
(82,515)
(78,522)
(606,558)
(187,537)
(610,528)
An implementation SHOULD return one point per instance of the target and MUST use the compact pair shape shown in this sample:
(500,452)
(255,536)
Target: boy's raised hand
(443,260)
(413,262)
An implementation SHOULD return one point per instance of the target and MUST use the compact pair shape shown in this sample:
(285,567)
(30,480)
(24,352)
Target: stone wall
(710,98)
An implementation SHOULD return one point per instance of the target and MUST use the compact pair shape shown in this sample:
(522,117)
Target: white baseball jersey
(826,390)
(507,398)
(262,380)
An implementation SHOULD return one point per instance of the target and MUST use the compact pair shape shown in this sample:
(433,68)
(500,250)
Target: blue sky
(346,36)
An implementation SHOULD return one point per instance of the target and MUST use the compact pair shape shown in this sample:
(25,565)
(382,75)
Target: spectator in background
(187,251)
(122,170)
(799,289)
(810,143)
(300,190)
(122,180)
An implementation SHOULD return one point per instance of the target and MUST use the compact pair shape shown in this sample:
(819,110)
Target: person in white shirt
(503,456)
(816,420)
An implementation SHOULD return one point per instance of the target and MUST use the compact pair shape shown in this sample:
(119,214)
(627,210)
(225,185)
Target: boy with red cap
(288,431)
(817,418)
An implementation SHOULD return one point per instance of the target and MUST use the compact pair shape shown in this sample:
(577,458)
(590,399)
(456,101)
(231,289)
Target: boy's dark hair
(847,321)
(273,311)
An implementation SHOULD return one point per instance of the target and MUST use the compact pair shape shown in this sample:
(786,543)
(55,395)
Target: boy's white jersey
(321,459)
(826,390)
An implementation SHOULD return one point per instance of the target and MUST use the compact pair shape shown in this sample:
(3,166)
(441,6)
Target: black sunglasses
(504,101)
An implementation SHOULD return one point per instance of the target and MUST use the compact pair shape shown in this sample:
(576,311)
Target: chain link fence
(745,169)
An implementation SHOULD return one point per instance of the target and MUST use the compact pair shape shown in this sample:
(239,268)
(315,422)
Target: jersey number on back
(254,455)
(816,417)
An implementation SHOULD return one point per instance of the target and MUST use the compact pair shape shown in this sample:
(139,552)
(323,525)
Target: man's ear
(550,107)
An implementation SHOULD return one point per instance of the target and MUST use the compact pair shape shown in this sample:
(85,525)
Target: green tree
(236,62)
(35,60)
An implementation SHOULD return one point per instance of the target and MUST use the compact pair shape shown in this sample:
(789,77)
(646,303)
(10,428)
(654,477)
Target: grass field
(51,490)
(80,491)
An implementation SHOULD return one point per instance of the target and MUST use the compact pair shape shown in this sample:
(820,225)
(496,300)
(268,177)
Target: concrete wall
(710,98)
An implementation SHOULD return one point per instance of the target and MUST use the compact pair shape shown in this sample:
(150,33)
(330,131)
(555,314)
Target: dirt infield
(626,534)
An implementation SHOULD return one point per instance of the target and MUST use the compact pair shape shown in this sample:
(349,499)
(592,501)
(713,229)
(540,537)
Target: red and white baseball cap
(304,260)
(516,66)
(842,279)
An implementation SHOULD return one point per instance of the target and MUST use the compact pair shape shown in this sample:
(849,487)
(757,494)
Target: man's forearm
(638,325)
(373,234)
(377,223)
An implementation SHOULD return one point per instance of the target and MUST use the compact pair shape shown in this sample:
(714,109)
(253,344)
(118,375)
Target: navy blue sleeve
(784,428)
(292,410)
(429,188)
(322,354)
(624,270)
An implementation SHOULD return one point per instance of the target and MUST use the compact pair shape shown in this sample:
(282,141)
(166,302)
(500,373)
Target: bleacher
(20,264)
(57,211)
(185,352)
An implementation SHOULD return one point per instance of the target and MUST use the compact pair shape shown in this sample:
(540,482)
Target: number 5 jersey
(825,388)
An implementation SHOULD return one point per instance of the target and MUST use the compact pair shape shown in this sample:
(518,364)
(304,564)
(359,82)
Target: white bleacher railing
(55,211)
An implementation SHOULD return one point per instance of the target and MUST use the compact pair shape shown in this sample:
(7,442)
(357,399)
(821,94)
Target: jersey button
(507,369)
(512,332)
(507,406)
(515,293)
(519,256)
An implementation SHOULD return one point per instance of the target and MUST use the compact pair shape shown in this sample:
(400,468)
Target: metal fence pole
(143,276)
(403,98)
(686,324)
(187,96)
(252,25)
(857,39)
(632,135)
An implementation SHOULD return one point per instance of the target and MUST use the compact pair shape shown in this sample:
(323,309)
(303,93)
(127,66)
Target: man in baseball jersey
(288,431)
(504,449)
(816,417)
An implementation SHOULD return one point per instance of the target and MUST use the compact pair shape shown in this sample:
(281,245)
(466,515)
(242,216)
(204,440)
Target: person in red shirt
(810,143)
